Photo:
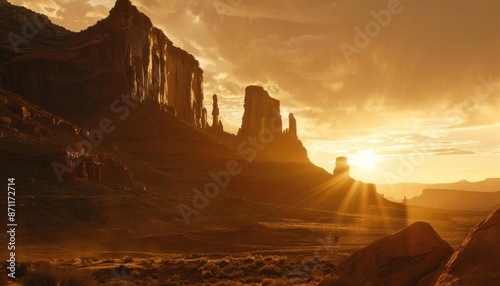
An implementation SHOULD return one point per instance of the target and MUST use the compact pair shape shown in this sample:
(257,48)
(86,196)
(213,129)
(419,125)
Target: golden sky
(406,89)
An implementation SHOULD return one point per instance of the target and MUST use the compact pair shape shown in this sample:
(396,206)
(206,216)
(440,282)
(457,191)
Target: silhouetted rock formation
(341,168)
(215,114)
(292,125)
(204,118)
(261,111)
(346,194)
(221,126)
(262,124)
(477,260)
(123,54)
(402,258)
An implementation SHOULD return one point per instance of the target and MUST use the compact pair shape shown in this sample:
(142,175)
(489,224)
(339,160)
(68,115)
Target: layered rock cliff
(261,111)
(292,123)
(261,118)
(123,54)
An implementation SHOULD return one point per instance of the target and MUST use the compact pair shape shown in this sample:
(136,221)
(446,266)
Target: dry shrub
(270,270)
(223,262)
(210,266)
(259,263)
(274,282)
(127,259)
(78,278)
(227,283)
(44,275)
(48,275)
(249,259)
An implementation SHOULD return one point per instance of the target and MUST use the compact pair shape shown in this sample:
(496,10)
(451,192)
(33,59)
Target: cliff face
(123,54)
(260,110)
(262,115)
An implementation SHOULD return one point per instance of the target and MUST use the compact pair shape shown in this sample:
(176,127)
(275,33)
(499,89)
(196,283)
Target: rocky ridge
(122,55)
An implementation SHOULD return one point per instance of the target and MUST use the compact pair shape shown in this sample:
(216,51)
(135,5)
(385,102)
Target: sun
(366,159)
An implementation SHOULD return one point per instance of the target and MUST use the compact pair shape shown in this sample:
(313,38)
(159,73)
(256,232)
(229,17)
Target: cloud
(50,8)
(451,151)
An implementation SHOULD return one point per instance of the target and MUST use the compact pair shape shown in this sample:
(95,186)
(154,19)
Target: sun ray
(365,159)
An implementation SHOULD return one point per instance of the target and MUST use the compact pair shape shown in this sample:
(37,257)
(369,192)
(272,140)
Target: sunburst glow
(366,159)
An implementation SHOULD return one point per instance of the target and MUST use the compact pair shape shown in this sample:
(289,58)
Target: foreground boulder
(477,260)
(402,258)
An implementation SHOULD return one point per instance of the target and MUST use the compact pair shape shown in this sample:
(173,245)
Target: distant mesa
(358,196)
(341,168)
(456,200)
